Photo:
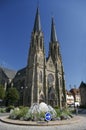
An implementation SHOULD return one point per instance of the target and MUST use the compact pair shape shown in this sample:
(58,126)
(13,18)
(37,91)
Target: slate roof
(3,77)
(8,72)
(75,90)
(20,74)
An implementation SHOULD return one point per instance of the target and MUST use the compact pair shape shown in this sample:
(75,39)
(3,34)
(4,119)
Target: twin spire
(53,32)
(37,27)
(37,24)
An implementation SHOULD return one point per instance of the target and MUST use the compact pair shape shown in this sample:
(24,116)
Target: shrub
(27,116)
(12,96)
(9,108)
(58,111)
(22,112)
(66,111)
(2,110)
(42,115)
(18,113)
(21,107)
(56,107)
(2,92)
(14,114)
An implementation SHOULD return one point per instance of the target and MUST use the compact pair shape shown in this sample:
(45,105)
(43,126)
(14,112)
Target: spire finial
(37,24)
(53,32)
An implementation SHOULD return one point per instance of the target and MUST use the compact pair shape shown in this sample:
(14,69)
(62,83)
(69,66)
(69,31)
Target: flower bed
(37,113)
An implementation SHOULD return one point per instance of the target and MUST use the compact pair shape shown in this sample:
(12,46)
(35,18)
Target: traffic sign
(48,116)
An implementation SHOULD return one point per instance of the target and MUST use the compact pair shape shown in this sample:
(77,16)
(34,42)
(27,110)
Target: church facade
(44,80)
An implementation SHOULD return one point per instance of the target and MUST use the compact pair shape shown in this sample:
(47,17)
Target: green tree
(12,96)
(2,92)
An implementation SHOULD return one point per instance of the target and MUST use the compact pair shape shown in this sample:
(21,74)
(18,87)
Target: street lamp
(21,95)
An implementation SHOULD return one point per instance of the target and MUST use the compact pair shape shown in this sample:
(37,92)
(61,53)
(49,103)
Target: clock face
(50,78)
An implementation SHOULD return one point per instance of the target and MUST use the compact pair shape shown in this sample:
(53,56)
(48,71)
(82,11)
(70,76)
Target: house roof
(75,90)
(68,92)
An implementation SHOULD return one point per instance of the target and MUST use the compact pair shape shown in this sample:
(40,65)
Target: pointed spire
(53,32)
(37,24)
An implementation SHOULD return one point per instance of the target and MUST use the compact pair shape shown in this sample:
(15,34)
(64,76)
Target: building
(6,76)
(76,94)
(83,93)
(44,76)
(3,77)
(19,83)
(42,80)
(69,98)
(9,73)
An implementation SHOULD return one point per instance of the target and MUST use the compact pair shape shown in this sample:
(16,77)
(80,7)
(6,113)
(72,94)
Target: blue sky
(16,24)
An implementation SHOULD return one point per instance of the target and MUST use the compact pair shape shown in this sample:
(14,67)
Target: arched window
(50,78)
(58,50)
(40,77)
(37,39)
(41,42)
(52,96)
(32,43)
(60,81)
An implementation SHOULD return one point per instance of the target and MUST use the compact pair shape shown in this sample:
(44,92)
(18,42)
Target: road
(80,125)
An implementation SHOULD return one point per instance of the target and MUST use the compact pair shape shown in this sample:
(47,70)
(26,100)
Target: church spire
(53,32)
(37,24)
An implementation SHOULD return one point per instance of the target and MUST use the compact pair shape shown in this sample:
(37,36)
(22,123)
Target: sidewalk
(75,119)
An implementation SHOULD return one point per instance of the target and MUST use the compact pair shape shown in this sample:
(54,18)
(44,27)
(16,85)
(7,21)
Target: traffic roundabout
(6,119)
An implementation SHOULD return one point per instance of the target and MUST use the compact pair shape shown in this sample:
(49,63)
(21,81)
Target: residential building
(76,94)
(69,98)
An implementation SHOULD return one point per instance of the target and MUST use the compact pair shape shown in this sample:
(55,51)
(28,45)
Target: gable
(3,77)
(50,64)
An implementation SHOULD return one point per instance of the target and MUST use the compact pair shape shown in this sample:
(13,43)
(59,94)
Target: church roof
(53,32)
(9,73)
(20,74)
(37,24)
(3,76)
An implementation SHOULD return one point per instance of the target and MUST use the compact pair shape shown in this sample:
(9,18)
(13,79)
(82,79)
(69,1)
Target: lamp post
(21,95)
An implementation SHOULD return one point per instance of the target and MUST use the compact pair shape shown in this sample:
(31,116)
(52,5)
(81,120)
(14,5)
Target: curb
(40,123)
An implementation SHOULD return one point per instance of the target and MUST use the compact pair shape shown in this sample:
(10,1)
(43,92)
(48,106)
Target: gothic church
(44,77)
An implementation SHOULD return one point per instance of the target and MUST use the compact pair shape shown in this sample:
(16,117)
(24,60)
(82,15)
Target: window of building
(50,78)
(37,39)
(60,81)
(40,77)
(41,42)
